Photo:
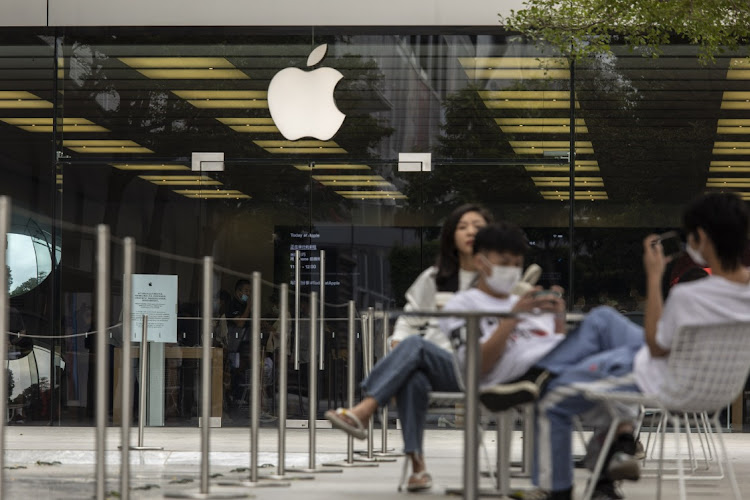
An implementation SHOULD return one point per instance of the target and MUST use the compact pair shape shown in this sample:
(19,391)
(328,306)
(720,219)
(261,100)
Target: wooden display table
(174,352)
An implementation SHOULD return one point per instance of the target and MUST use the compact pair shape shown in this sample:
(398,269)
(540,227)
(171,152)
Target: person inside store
(716,225)
(453,271)
(418,366)
(238,325)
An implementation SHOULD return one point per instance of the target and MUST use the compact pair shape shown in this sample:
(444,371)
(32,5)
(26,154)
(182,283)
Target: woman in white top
(453,271)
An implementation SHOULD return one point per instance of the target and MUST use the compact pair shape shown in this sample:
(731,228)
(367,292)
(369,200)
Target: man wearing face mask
(238,322)
(609,352)
(419,366)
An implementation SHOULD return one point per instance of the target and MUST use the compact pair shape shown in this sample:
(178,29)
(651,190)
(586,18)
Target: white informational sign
(155,295)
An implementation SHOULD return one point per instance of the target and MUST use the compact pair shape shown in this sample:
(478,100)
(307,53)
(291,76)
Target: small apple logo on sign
(301,102)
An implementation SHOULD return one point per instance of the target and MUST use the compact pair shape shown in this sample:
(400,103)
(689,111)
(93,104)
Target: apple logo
(301,102)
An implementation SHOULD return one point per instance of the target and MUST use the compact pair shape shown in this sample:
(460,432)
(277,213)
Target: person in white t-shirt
(716,225)
(418,366)
(453,271)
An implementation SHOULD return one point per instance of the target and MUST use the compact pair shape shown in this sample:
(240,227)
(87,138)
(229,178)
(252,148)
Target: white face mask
(696,256)
(503,278)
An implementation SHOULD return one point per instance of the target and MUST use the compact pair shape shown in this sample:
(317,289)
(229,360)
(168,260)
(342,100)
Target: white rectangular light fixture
(207,161)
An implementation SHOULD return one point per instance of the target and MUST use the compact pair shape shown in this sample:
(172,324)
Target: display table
(174,352)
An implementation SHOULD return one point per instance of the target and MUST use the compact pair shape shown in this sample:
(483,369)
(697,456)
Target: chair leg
(662,433)
(680,471)
(689,437)
(725,456)
(589,491)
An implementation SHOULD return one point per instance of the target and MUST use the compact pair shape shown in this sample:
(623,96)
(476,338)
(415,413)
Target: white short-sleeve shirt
(708,300)
(531,340)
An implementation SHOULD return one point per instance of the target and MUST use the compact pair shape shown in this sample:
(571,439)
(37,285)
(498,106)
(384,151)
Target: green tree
(580,28)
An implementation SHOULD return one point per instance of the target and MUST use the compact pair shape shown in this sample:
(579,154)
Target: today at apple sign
(301,102)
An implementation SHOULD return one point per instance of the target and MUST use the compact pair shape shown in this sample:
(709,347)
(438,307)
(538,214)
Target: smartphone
(671,243)
(546,293)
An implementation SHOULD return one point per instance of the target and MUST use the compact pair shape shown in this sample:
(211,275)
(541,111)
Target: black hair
(724,218)
(501,237)
(240,283)
(447,260)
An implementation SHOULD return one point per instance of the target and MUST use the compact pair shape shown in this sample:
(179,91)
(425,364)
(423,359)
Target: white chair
(707,367)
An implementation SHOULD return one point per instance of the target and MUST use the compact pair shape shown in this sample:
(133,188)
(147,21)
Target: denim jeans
(413,369)
(598,354)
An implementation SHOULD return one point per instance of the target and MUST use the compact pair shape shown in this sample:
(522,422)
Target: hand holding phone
(671,243)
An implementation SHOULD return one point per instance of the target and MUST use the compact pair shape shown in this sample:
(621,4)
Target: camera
(671,243)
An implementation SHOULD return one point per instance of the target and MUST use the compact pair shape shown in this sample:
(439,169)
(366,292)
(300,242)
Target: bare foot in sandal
(353,420)
(420,479)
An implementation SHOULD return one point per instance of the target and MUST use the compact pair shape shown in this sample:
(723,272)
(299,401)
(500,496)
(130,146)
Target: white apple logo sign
(301,102)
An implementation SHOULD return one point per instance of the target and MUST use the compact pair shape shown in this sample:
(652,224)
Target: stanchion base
(253,484)
(144,448)
(352,464)
(314,471)
(482,492)
(374,459)
(388,454)
(286,477)
(198,494)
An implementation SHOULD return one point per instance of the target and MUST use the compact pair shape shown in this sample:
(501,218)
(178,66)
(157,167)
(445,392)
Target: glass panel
(27,163)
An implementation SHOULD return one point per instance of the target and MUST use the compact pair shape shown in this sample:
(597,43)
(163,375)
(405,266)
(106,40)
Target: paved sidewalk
(177,467)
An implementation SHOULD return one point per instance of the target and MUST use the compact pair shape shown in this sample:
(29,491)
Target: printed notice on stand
(155,295)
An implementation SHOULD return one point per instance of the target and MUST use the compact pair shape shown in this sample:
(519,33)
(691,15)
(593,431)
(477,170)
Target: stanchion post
(283,335)
(143,369)
(369,363)
(255,361)
(350,385)
(128,265)
(312,393)
(471,441)
(384,452)
(322,316)
(297,278)
(208,269)
(368,349)
(143,388)
(102,356)
(5,208)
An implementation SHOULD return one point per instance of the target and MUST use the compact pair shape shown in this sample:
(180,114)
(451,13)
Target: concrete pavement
(176,468)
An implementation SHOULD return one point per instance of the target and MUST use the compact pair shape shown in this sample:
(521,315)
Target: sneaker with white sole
(623,466)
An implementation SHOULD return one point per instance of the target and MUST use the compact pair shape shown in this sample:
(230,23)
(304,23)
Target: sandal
(419,481)
(344,419)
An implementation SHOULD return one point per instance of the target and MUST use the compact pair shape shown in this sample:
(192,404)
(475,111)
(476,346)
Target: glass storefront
(100,125)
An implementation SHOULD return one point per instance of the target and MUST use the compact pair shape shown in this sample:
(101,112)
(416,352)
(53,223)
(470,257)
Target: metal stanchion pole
(322,337)
(312,391)
(206,311)
(5,207)
(128,265)
(254,404)
(471,433)
(297,278)
(283,365)
(368,340)
(350,383)
(143,388)
(384,451)
(102,356)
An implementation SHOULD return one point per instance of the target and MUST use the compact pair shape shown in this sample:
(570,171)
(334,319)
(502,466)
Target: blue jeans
(413,369)
(599,354)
